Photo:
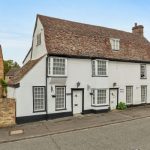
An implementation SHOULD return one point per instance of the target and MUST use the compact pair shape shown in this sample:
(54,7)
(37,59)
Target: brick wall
(1,68)
(7,112)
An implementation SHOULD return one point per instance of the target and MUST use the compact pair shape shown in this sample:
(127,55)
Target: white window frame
(95,97)
(37,97)
(143,95)
(56,96)
(115,44)
(131,95)
(38,39)
(95,66)
(143,73)
(50,66)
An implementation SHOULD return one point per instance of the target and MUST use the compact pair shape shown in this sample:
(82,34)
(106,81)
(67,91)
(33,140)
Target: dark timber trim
(27,55)
(14,85)
(46,97)
(88,57)
(96,111)
(34,118)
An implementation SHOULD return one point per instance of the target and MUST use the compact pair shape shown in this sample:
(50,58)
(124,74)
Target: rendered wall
(80,70)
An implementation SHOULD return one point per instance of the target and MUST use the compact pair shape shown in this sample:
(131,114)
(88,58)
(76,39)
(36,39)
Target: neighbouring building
(11,73)
(76,68)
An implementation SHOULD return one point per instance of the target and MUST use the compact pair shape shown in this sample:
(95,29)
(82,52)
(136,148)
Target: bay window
(99,97)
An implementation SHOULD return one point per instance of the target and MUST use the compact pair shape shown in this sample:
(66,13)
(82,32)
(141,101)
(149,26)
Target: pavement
(69,124)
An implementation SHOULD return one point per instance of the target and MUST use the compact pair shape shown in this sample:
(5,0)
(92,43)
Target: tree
(9,64)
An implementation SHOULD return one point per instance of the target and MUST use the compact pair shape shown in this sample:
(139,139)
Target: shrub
(121,106)
(4,87)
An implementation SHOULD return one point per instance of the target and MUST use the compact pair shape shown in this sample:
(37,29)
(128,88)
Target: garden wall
(7,112)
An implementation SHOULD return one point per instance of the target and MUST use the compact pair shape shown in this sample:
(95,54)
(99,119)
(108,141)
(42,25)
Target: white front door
(77,101)
(113,98)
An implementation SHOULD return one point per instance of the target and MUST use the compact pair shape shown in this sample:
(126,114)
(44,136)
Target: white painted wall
(128,74)
(24,95)
(11,92)
(40,50)
(122,73)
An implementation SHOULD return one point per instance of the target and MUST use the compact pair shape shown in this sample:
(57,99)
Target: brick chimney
(138,30)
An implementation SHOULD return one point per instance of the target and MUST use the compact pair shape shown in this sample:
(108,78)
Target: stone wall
(7,112)
(1,68)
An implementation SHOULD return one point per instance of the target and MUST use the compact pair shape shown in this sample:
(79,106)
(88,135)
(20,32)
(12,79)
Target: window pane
(60,97)
(143,94)
(39,39)
(58,66)
(101,96)
(93,96)
(115,44)
(39,98)
(93,67)
(143,71)
(49,66)
(101,67)
(129,94)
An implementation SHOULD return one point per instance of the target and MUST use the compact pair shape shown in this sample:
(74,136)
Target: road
(130,135)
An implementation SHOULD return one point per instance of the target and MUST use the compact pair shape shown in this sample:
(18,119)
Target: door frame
(117,95)
(77,89)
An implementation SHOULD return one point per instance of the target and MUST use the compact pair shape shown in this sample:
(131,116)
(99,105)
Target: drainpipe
(46,88)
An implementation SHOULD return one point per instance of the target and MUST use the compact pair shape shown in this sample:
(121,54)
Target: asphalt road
(131,135)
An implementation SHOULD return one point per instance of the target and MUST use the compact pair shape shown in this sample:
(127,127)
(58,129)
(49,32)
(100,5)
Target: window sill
(60,109)
(99,76)
(99,105)
(39,111)
(115,50)
(57,76)
(129,104)
(143,78)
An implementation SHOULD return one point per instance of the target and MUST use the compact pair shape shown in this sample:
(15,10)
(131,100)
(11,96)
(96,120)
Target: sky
(17,19)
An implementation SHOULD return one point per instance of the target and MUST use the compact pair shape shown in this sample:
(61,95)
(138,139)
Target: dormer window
(38,39)
(115,44)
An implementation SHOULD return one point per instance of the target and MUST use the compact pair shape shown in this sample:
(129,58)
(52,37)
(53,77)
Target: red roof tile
(76,39)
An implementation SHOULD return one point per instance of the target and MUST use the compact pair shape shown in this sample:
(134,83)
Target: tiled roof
(12,71)
(76,39)
(23,71)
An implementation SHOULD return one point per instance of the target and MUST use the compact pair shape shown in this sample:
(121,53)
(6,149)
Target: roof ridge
(87,24)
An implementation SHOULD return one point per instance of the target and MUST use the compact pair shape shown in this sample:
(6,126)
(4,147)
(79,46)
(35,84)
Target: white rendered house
(76,68)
